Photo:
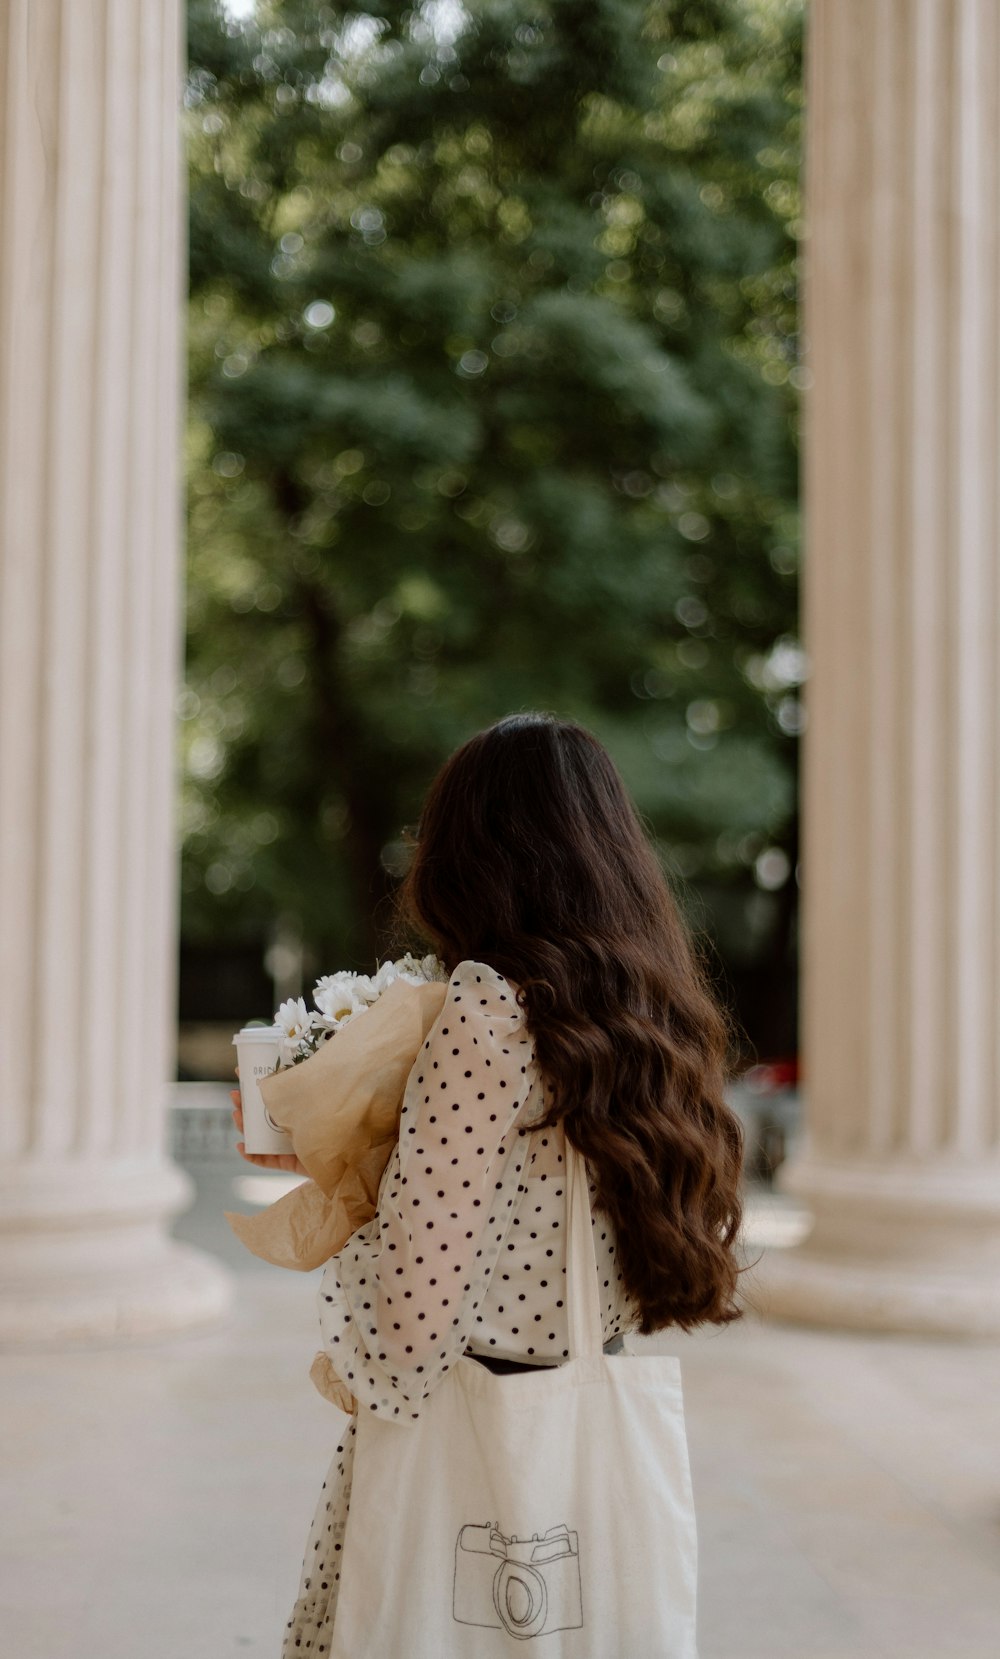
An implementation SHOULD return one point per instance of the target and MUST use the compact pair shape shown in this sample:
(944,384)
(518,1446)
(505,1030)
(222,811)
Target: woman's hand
(265,1160)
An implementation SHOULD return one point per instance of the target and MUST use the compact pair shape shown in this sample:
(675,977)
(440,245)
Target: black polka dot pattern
(310,1628)
(466,1250)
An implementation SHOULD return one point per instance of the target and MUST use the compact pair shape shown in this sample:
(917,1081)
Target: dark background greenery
(493,406)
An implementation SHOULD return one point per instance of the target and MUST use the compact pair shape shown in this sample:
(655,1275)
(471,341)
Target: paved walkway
(155,1499)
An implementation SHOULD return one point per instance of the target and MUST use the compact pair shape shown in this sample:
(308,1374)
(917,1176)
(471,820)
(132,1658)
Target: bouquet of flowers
(339,998)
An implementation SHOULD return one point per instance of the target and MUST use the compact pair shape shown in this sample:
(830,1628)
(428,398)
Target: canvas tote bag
(553,1507)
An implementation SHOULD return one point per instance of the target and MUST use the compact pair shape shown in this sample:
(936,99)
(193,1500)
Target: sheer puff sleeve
(398,1305)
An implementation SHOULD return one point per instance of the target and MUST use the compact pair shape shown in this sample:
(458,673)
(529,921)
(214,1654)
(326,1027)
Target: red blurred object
(768,1076)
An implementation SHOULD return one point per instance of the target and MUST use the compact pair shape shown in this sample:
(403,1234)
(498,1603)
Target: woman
(576,1006)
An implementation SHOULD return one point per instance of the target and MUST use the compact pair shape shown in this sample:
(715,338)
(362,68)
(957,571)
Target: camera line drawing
(526,1586)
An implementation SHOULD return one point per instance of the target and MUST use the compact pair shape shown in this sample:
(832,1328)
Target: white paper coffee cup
(258,1048)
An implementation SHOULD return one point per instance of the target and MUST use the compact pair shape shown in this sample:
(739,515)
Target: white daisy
(381,980)
(339,996)
(293,1018)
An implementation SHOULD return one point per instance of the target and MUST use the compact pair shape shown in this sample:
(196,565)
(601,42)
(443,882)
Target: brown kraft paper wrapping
(341,1108)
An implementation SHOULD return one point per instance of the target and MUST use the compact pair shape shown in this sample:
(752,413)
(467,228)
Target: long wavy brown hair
(530,856)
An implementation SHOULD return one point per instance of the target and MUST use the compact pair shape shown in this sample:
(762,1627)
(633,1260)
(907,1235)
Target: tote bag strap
(583,1298)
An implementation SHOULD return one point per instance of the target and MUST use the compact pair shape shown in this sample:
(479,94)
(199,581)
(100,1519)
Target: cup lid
(257,1034)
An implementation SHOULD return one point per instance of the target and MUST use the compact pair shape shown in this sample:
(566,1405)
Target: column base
(898,1247)
(86,1256)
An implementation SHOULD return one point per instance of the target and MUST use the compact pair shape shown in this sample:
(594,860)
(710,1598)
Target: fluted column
(90,648)
(901,845)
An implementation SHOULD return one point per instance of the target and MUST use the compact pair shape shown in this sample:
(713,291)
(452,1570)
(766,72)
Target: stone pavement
(155,1499)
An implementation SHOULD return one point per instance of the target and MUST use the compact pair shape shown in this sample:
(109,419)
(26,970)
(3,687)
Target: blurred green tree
(494,384)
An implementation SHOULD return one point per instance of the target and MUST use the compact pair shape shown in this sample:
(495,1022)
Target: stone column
(900,1161)
(90,648)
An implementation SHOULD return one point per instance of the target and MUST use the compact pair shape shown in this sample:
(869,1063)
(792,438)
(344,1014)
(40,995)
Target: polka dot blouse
(467,1247)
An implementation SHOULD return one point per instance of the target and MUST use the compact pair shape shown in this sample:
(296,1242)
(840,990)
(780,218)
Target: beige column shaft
(901,844)
(90,649)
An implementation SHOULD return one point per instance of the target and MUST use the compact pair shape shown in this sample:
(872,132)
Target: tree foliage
(493,359)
